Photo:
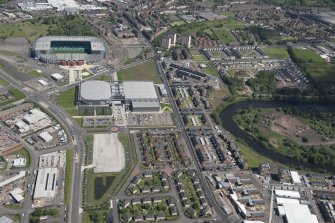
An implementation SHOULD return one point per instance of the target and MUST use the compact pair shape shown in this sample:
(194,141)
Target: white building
(20,162)
(57,76)
(43,82)
(298,213)
(12,179)
(5,219)
(17,194)
(33,116)
(46,184)
(45,136)
(295,178)
(287,194)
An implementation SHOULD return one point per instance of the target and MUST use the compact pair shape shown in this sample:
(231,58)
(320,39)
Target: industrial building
(69,50)
(137,96)
(46,184)
(12,179)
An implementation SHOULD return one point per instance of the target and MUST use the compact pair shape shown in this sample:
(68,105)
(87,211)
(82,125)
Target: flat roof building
(20,162)
(12,179)
(138,96)
(298,213)
(287,193)
(17,195)
(46,183)
(5,219)
(33,116)
(295,177)
(45,136)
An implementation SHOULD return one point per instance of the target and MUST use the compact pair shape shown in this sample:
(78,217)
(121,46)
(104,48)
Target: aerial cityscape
(187,111)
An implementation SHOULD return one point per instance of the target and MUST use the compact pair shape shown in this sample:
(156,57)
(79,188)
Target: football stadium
(137,96)
(69,50)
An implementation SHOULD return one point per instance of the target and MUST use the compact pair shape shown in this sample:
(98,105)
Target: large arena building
(137,96)
(69,50)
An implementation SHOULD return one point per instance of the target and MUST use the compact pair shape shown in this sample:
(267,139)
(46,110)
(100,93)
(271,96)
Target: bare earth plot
(293,128)
(108,153)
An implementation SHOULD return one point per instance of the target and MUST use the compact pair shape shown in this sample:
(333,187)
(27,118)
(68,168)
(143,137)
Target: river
(228,124)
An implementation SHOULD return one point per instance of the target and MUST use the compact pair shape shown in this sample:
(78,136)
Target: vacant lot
(108,153)
(27,30)
(145,71)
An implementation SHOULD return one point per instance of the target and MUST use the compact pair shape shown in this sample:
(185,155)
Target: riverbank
(227,121)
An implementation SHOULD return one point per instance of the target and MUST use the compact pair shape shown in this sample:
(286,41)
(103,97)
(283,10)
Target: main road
(179,124)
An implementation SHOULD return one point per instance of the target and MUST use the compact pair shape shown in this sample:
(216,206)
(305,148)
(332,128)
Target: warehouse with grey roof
(137,96)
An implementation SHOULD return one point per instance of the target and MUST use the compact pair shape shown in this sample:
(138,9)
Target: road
(179,123)
(72,129)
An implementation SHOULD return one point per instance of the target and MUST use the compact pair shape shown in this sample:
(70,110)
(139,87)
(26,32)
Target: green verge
(276,52)
(23,153)
(67,99)
(68,175)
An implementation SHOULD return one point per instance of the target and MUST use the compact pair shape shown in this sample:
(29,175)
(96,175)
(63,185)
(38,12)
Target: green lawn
(306,56)
(224,35)
(276,52)
(177,23)
(210,69)
(252,158)
(68,175)
(34,73)
(17,95)
(27,29)
(144,71)
(314,65)
(320,71)
(67,99)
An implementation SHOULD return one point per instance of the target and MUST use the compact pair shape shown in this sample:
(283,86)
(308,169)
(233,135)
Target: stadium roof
(95,90)
(44,43)
(139,90)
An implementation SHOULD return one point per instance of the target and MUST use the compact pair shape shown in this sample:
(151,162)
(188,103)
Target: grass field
(34,73)
(276,52)
(252,158)
(177,23)
(197,56)
(144,71)
(17,95)
(67,99)
(315,66)
(224,35)
(228,24)
(28,30)
(210,69)
(68,175)
(306,56)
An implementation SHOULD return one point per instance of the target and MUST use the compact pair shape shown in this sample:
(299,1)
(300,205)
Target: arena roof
(95,90)
(44,43)
(139,90)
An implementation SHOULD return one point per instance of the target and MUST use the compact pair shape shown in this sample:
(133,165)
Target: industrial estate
(167,111)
